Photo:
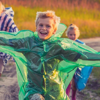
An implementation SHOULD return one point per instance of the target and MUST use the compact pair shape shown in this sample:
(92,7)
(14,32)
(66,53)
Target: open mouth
(43,33)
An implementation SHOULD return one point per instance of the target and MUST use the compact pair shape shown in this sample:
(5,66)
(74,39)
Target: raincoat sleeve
(16,40)
(75,55)
(16,43)
(78,54)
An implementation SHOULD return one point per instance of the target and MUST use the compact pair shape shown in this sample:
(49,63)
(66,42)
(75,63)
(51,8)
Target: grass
(94,84)
(88,21)
(96,73)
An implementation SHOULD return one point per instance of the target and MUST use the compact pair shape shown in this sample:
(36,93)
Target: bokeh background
(84,13)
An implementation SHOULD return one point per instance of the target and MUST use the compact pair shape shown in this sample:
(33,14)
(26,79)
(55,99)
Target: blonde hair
(71,27)
(48,14)
(2,8)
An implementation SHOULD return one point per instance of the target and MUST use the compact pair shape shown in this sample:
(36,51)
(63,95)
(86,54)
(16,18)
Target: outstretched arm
(79,54)
(17,40)
(75,55)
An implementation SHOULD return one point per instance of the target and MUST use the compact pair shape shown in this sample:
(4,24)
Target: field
(84,13)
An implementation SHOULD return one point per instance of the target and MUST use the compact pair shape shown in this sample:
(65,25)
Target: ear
(54,31)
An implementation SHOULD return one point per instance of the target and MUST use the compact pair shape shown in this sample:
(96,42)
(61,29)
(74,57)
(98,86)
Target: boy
(6,24)
(81,75)
(42,53)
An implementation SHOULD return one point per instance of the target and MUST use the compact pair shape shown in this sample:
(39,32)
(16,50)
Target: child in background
(6,24)
(73,33)
(43,52)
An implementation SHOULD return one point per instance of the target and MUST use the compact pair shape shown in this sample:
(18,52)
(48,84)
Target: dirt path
(93,43)
(8,83)
(9,86)
(87,94)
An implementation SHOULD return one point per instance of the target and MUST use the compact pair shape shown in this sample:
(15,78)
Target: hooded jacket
(6,21)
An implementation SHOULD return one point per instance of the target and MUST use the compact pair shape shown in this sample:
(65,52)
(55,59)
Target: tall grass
(88,21)
(65,4)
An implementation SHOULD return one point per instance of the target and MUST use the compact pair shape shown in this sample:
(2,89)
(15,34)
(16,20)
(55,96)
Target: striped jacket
(6,21)
(7,24)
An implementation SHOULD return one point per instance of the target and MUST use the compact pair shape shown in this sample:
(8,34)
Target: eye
(70,34)
(48,26)
(41,25)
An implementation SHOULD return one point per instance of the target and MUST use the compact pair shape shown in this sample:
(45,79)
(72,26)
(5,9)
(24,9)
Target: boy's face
(72,34)
(45,28)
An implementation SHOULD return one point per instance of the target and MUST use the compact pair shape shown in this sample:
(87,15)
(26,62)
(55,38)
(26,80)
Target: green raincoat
(46,67)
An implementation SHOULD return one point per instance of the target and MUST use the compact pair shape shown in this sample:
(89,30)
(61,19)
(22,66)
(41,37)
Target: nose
(44,27)
(73,36)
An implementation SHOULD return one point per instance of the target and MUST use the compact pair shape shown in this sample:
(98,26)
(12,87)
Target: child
(6,24)
(38,57)
(73,34)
